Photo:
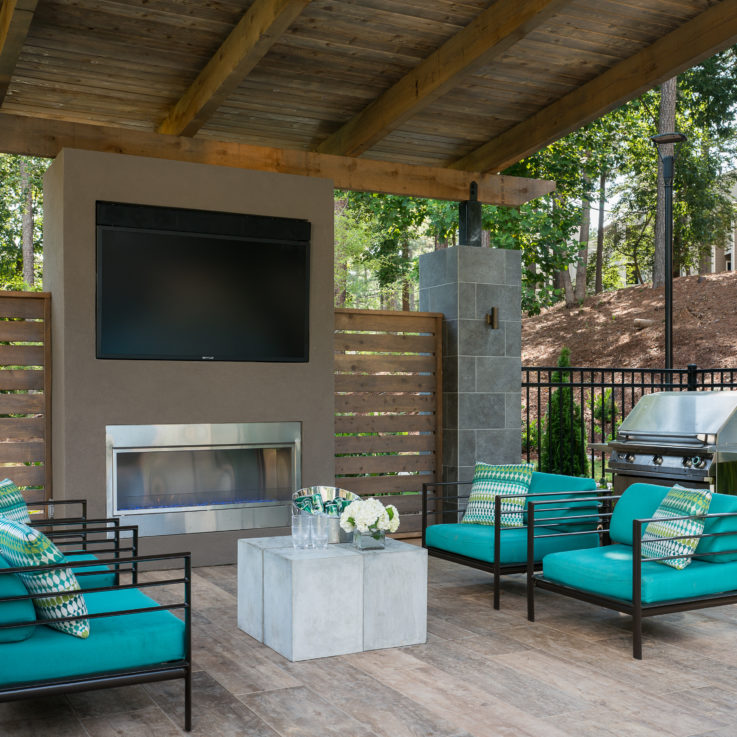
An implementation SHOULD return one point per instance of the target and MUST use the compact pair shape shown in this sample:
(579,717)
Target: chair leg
(637,634)
(497,591)
(188,701)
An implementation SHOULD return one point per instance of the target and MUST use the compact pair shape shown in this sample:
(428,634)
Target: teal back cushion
(639,501)
(720,503)
(547,482)
(14,612)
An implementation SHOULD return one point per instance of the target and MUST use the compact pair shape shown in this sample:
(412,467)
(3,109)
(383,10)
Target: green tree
(21,221)
(564,437)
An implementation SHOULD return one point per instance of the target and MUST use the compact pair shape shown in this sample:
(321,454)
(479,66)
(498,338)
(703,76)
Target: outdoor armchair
(618,577)
(133,638)
(503,550)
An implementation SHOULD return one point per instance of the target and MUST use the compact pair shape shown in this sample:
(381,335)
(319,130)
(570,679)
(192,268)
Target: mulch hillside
(602,331)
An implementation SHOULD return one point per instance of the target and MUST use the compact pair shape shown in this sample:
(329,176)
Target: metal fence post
(691,368)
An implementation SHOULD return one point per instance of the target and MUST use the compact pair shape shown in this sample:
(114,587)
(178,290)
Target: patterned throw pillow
(23,546)
(677,503)
(12,504)
(490,481)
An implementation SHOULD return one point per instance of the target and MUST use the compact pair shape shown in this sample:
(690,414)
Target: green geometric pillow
(490,481)
(12,504)
(22,546)
(677,503)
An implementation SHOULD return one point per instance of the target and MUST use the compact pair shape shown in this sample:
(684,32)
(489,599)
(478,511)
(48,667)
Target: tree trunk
(599,280)
(666,124)
(405,281)
(341,282)
(563,281)
(27,223)
(579,293)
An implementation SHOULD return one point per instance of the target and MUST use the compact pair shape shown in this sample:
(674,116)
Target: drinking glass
(320,531)
(301,524)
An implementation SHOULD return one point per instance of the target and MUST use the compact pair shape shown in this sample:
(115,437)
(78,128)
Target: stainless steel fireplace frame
(202,518)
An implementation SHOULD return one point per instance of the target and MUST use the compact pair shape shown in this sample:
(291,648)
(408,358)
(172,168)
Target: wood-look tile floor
(482,673)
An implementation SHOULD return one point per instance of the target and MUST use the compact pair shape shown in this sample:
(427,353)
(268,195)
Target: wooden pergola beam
(15,20)
(246,45)
(488,36)
(708,33)
(45,137)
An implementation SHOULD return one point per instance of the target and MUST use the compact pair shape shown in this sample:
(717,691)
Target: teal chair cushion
(549,482)
(720,503)
(607,571)
(14,612)
(91,577)
(639,501)
(477,542)
(115,643)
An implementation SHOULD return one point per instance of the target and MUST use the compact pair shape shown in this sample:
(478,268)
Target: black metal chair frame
(101,535)
(636,607)
(147,674)
(496,568)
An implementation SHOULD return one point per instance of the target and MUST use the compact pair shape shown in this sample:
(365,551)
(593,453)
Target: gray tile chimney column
(481,366)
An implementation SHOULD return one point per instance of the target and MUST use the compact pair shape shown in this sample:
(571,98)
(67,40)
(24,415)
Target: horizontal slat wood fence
(388,401)
(25,391)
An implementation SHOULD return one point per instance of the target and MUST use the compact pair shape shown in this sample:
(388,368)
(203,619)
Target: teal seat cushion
(639,501)
(720,504)
(477,541)
(115,643)
(14,612)
(607,571)
(90,577)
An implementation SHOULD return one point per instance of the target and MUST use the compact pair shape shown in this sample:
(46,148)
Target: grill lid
(682,418)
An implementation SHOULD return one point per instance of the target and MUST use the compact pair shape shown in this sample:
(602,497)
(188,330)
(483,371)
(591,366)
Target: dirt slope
(602,332)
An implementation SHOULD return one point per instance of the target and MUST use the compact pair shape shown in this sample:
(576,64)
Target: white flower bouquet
(369,516)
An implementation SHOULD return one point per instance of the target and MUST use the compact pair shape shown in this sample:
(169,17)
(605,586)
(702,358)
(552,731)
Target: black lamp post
(662,139)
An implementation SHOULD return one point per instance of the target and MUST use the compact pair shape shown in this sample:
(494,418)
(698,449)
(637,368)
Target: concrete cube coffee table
(315,603)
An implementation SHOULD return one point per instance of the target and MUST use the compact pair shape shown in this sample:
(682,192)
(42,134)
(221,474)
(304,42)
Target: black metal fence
(594,403)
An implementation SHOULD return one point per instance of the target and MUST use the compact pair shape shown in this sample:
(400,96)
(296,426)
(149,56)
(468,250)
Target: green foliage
(564,438)
(606,415)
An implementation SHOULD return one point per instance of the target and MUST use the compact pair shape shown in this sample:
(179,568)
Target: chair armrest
(51,504)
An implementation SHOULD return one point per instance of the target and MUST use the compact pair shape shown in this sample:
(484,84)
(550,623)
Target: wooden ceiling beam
(15,20)
(45,137)
(700,38)
(486,37)
(257,31)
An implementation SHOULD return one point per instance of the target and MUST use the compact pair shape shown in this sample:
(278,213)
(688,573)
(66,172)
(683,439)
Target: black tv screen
(192,285)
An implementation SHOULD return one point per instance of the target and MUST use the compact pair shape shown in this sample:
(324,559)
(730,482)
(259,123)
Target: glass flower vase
(372,540)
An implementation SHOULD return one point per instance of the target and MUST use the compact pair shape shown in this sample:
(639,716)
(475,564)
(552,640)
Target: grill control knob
(687,462)
(630,458)
(658,460)
(698,462)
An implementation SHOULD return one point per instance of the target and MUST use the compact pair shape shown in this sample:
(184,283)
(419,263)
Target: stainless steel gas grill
(689,438)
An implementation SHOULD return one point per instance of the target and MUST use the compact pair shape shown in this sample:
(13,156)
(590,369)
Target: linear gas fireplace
(174,479)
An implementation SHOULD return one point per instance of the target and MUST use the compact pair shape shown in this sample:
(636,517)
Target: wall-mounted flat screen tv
(194,285)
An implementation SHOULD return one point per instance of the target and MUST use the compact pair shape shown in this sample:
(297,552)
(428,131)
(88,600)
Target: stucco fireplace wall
(89,394)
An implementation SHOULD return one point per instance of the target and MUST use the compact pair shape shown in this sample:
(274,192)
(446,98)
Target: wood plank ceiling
(464,85)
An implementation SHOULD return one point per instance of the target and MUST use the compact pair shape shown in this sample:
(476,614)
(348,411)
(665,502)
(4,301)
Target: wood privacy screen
(388,406)
(25,391)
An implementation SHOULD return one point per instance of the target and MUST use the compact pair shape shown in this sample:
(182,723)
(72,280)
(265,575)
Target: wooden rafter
(44,137)
(488,36)
(247,44)
(698,39)
(15,20)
